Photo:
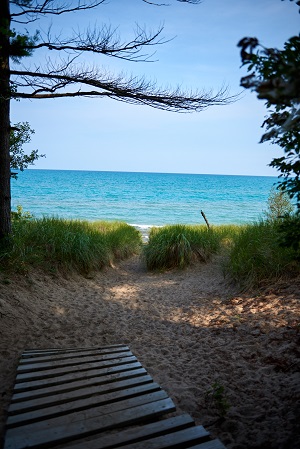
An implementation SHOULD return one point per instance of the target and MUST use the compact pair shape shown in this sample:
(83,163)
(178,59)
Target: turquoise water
(143,199)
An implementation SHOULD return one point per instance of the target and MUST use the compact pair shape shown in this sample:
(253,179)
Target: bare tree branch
(156,4)
(193,2)
(106,41)
(67,79)
(46,7)
(132,90)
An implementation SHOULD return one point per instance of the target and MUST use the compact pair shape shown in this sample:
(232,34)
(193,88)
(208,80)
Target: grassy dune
(180,245)
(252,254)
(57,244)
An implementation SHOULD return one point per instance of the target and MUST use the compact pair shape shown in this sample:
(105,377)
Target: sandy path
(187,328)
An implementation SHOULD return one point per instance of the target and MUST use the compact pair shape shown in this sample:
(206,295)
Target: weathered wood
(73,399)
(39,436)
(78,393)
(205,219)
(71,386)
(29,352)
(69,362)
(64,378)
(31,412)
(69,369)
(136,434)
(45,357)
(177,440)
(213,444)
(81,409)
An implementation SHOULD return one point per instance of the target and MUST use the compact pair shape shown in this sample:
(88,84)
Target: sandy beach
(190,330)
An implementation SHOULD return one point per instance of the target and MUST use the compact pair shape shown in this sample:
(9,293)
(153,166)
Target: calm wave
(143,199)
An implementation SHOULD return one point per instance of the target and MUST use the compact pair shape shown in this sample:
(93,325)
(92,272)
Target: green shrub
(279,205)
(19,214)
(55,244)
(218,399)
(289,234)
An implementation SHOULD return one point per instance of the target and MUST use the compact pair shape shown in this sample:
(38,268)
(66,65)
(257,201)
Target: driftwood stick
(205,219)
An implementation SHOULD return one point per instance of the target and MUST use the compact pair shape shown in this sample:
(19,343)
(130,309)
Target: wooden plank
(78,375)
(36,436)
(88,404)
(68,369)
(74,362)
(133,435)
(177,440)
(74,385)
(38,358)
(79,393)
(213,444)
(98,411)
(29,352)
(64,396)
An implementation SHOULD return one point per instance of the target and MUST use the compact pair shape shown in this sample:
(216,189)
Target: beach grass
(256,255)
(252,253)
(122,239)
(57,244)
(177,246)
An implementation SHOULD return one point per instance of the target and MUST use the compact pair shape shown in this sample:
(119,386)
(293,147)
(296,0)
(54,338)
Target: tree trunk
(5,195)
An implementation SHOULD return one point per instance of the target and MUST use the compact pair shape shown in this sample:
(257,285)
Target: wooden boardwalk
(95,398)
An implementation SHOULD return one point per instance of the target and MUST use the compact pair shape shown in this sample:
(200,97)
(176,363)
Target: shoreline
(144,230)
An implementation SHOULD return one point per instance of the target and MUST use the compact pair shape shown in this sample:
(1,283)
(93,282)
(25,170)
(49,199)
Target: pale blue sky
(96,134)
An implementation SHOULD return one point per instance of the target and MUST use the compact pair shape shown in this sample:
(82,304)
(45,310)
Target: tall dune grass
(180,245)
(252,253)
(256,256)
(58,244)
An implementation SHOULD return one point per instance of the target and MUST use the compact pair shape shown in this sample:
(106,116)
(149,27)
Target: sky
(107,135)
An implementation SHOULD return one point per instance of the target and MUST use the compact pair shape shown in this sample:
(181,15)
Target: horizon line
(145,172)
